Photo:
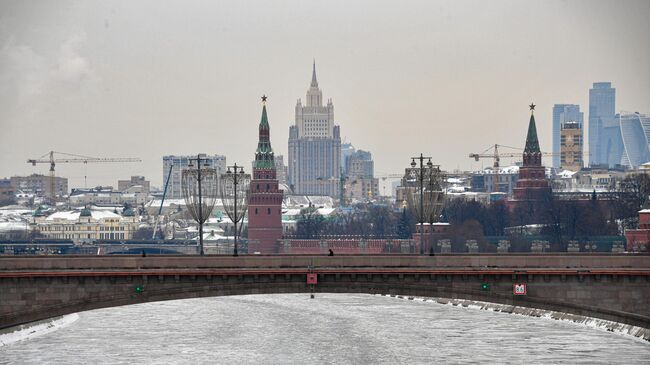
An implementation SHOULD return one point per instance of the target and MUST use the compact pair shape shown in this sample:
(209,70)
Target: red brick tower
(265,198)
(533,190)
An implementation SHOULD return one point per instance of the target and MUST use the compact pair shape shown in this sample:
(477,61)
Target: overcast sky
(446,78)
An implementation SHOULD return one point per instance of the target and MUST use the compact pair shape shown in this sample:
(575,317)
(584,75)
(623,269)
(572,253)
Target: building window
(255,210)
(269,210)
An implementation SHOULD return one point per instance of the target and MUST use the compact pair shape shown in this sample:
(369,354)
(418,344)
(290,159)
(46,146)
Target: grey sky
(149,78)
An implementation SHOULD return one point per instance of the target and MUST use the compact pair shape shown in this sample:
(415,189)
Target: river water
(330,329)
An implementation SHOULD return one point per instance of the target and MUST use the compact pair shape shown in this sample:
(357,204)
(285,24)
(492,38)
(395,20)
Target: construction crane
(383,178)
(71,158)
(497,158)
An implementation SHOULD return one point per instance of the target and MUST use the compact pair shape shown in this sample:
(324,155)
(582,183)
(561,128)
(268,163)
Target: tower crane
(497,158)
(71,158)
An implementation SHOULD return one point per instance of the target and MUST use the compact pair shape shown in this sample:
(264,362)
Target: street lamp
(199,187)
(234,195)
(420,176)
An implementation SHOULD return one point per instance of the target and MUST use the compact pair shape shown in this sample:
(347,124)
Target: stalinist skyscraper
(314,146)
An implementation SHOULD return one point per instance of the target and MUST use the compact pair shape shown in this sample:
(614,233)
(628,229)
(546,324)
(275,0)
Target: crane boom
(72,158)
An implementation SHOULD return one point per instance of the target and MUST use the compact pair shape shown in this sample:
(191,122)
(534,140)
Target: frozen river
(333,328)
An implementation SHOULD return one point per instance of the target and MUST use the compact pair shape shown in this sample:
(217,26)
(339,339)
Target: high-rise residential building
(605,141)
(265,197)
(180,163)
(360,183)
(635,132)
(39,185)
(571,146)
(563,113)
(347,149)
(314,146)
(281,169)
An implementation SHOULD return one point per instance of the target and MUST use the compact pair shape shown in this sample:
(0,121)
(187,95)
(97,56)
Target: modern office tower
(605,142)
(314,146)
(563,113)
(265,197)
(180,163)
(635,132)
(571,146)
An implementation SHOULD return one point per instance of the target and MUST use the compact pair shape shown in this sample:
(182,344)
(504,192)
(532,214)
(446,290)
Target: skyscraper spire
(314,82)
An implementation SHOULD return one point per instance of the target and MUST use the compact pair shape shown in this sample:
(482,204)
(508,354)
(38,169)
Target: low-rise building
(134,196)
(88,225)
(135,181)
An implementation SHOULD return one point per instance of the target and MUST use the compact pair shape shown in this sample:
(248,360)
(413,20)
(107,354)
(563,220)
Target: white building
(87,225)
(180,163)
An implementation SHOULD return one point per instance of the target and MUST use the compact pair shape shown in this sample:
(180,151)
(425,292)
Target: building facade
(265,197)
(123,185)
(39,185)
(180,163)
(571,146)
(533,189)
(360,183)
(564,113)
(87,225)
(7,193)
(605,142)
(635,132)
(314,146)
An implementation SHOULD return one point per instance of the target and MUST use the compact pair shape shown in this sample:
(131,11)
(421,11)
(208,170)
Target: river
(330,329)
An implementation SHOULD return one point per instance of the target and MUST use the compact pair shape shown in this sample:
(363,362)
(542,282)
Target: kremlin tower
(265,198)
(533,192)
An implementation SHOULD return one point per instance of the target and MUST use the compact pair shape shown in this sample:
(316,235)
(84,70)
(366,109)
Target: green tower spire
(264,152)
(532,143)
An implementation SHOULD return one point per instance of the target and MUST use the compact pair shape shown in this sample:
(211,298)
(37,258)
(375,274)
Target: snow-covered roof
(565,174)
(167,203)
(325,211)
(73,215)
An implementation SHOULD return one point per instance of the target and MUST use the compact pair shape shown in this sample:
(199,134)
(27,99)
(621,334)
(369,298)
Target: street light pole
(421,177)
(236,175)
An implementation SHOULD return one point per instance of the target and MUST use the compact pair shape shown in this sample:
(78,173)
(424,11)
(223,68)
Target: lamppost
(434,196)
(420,175)
(234,194)
(199,187)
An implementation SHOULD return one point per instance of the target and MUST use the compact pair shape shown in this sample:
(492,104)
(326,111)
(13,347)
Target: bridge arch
(53,287)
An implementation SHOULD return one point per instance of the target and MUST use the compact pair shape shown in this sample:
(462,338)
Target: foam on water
(638,333)
(35,329)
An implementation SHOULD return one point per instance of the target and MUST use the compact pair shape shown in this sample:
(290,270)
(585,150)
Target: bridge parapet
(586,261)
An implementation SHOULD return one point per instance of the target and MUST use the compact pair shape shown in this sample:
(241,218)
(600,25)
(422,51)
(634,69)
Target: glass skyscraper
(605,141)
(635,132)
(564,113)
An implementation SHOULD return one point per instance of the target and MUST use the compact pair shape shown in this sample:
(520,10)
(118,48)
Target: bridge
(606,286)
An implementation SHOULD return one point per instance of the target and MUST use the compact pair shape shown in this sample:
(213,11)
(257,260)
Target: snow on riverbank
(35,329)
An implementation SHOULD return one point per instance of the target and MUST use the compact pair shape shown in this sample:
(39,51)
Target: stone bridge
(611,287)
